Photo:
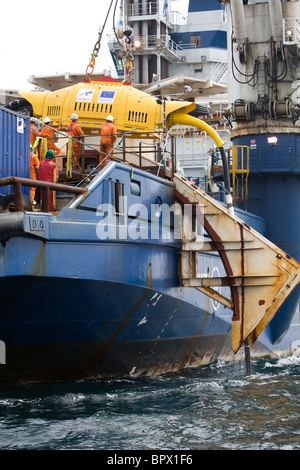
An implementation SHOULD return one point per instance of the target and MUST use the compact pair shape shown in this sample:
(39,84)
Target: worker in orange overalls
(75,131)
(57,150)
(108,139)
(33,131)
(34,173)
(49,134)
(48,172)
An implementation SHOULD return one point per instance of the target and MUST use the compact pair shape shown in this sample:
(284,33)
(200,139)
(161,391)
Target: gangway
(259,274)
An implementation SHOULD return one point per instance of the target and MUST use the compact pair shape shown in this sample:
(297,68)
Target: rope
(63,134)
(54,192)
(69,165)
(107,155)
(43,148)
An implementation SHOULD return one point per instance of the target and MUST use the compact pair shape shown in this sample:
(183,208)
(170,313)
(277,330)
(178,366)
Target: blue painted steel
(274,194)
(84,311)
(281,323)
(284,157)
(204,5)
(14,147)
(274,189)
(75,303)
(215,39)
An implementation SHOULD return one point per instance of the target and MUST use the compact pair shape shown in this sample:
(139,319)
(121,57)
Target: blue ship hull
(102,328)
(74,329)
(75,306)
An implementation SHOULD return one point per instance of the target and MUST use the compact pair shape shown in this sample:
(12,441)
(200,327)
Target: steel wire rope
(256,66)
(114,26)
(233,64)
(107,155)
(283,73)
(128,57)
(96,49)
(63,134)
(233,61)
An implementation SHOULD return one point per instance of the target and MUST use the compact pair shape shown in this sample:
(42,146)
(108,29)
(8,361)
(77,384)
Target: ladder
(240,170)
(218,73)
(260,275)
(261,78)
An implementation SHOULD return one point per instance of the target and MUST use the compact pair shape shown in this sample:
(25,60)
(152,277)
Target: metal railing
(45,187)
(291,31)
(149,157)
(218,72)
(152,157)
(144,8)
(153,42)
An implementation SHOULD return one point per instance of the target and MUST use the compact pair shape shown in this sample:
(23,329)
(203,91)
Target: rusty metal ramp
(260,275)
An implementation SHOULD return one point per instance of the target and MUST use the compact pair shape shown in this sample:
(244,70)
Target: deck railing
(45,187)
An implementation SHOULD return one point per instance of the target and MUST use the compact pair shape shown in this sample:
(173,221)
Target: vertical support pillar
(18,197)
(145,69)
(247,356)
(45,200)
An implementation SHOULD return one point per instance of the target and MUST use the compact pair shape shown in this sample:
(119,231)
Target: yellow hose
(69,159)
(185,119)
(44,148)
(54,192)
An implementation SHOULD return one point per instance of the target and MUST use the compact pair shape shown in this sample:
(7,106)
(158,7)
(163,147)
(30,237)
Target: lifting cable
(128,63)
(128,68)
(128,55)
(91,65)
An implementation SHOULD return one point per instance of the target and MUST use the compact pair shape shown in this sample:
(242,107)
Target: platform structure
(259,274)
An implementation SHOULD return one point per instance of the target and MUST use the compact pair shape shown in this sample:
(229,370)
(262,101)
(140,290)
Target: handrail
(45,186)
(122,149)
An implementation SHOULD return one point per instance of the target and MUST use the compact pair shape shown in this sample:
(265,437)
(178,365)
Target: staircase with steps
(259,274)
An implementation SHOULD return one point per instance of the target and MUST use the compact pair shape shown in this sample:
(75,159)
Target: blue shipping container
(14,147)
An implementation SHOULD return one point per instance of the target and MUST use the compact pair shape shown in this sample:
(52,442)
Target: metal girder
(260,275)
(230,281)
(213,294)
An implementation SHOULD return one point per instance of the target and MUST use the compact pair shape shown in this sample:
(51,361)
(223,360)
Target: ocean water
(217,407)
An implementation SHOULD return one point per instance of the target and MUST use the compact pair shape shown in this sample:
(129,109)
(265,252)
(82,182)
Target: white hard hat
(46,120)
(110,118)
(74,117)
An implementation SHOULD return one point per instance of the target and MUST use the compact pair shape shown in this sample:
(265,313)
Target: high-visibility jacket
(33,133)
(108,133)
(34,165)
(34,168)
(74,130)
(57,150)
(49,134)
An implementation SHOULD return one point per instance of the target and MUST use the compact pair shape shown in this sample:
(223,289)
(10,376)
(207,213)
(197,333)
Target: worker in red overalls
(48,172)
(108,139)
(75,131)
(34,173)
